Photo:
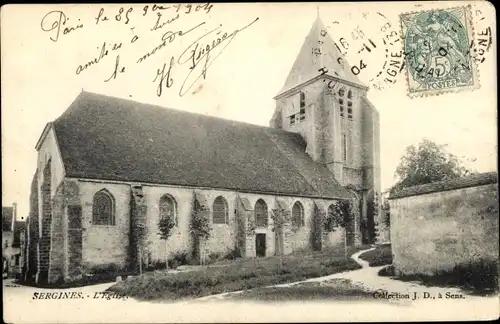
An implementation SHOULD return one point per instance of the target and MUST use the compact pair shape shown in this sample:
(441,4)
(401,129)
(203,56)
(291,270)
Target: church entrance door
(260,245)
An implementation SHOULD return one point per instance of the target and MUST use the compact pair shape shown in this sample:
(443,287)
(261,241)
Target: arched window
(220,215)
(341,92)
(168,207)
(349,94)
(298,215)
(103,208)
(260,213)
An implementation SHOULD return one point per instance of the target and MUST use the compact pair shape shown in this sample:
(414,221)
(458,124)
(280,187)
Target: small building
(12,230)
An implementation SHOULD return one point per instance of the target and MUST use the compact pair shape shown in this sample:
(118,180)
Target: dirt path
(368,278)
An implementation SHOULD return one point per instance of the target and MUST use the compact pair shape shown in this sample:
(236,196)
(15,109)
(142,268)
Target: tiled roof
(308,63)
(102,137)
(470,181)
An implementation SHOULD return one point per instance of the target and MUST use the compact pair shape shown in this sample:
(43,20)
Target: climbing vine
(199,227)
(373,210)
(165,226)
(281,218)
(338,215)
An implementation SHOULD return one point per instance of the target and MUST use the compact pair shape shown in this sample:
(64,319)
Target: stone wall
(32,233)
(72,225)
(105,244)
(57,237)
(438,229)
(111,244)
(45,228)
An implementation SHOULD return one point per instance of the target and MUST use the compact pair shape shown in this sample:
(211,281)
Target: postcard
(249,162)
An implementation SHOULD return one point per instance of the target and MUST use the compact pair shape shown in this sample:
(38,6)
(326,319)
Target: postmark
(370,43)
(437,54)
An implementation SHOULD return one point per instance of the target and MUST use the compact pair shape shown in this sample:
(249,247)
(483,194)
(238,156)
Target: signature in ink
(197,52)
(165,80)
(169,37)
(54,21)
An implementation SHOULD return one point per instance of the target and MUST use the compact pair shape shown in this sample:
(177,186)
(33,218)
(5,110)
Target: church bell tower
(327,104)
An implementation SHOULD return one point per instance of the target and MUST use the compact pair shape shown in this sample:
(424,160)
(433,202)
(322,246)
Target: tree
(165,226)
(250,231)
(386,212)
(373,214)
(199,227)
(339,215)
(281,218)
(425,163)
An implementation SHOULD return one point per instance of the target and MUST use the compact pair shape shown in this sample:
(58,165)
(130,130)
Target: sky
(46,50)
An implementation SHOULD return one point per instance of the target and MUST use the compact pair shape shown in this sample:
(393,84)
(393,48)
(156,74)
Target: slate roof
(307,63)
(102,137)
(7,213)
(480,179)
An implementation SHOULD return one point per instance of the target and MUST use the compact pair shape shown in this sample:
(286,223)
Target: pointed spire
(318,52)
(317,10)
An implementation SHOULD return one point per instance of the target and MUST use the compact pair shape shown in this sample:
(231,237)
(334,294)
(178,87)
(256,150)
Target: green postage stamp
(437,48)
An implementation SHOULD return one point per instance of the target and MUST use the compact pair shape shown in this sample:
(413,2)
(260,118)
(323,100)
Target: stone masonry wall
(73,227)
(111,244)
(57,237)
(439,230)
(44,242)
(105,244)
(138,226)
(32,233)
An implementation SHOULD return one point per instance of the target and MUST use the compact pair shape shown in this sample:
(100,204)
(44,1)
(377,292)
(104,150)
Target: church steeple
(319,53)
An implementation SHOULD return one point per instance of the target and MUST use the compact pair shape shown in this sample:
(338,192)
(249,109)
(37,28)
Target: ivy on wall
(199,227)
(165,227)
(373,214)
(281,218)
(338,215)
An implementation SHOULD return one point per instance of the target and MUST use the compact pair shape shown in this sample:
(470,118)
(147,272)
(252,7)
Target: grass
(337,289)
(382,255)
(477,278)
(240,274)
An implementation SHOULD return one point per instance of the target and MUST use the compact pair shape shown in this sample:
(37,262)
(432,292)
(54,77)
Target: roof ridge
(472,180)
(156,106)
(105,137)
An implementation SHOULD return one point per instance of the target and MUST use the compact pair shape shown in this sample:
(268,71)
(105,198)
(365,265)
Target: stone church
(107,166)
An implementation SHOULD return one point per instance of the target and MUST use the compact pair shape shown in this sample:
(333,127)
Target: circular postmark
(369,48)
(436,46)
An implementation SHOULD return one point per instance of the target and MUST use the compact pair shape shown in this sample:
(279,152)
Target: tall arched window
(220,214)
(260,213)
(168,207)
(349,94)
(103,208)
(298,215)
